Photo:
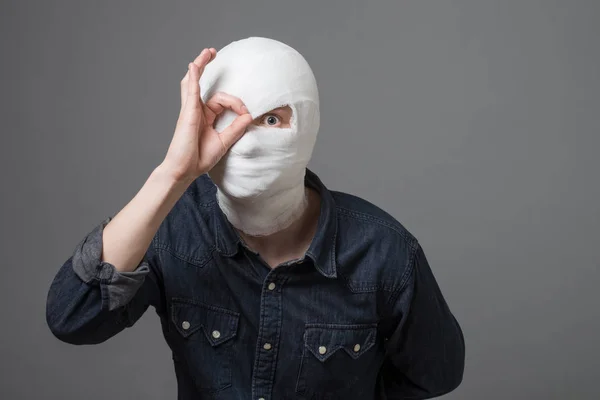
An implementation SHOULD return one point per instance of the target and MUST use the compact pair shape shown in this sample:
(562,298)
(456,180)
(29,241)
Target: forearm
(127,236)
(89,301)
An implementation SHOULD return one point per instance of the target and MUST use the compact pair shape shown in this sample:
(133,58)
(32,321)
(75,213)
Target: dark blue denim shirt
(361,316)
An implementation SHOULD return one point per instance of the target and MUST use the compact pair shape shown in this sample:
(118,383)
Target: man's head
(269,161)
(277,85)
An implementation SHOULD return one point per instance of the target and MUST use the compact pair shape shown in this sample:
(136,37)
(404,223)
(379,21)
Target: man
(267,284)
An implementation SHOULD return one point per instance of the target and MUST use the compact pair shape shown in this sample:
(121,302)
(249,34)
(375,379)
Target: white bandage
(260,180)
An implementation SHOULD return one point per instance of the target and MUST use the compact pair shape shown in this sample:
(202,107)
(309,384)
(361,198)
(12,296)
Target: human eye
(271,120)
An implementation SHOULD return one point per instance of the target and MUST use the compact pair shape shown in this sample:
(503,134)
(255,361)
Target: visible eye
(271,120)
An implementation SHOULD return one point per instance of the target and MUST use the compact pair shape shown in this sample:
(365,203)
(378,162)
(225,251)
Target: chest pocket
(337,356)
(204,342)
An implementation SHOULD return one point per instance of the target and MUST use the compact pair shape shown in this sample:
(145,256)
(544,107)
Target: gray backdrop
(475,123)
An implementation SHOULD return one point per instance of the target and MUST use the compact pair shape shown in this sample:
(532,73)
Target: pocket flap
(218,324)
(322,340)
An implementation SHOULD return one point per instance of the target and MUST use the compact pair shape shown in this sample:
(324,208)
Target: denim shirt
(360,316)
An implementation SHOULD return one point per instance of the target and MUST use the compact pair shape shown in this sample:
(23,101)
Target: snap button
(322,349)
(185,325)
(271,286)
(356,348)
(216,334)
(267,346)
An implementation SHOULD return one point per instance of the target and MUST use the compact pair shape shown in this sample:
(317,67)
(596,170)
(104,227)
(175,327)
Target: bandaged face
(260,179)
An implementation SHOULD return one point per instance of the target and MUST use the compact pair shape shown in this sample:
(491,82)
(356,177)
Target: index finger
(220,101)
(205,56)
(195,71)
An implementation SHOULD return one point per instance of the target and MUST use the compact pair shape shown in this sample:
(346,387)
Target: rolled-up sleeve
(90,301)
(89,267)
(426,351)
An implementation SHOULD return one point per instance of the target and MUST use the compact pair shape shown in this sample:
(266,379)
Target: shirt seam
(198,262)
(405,276)
(205,204)
(370,218)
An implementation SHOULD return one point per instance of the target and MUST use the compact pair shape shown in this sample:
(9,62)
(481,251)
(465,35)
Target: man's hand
(196,146)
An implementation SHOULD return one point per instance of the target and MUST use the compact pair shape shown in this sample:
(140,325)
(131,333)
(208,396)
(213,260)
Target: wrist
(172,179)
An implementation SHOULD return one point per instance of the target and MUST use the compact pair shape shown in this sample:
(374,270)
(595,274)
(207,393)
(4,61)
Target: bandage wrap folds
(260,180)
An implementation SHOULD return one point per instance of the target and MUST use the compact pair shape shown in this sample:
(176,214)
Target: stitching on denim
(405,277)
(192,302)
(260,334)
(199,262)
(200,328)
(322,325)
(366,217)
(363,289)
(276,350)
(370,288)
(320,268)
(332,248)
(300,378)
(182,302)
(200,195)
(371,328)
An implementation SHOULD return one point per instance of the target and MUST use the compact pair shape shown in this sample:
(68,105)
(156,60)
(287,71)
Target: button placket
(269,334)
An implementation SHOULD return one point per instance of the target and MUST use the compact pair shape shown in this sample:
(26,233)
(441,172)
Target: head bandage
(260,180)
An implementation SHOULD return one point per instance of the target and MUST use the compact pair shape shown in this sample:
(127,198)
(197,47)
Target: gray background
(474,123)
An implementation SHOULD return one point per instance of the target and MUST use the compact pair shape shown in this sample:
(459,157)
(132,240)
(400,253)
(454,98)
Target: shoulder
(199,198)
(188,229)
(201,191)
(360,211)
(375,250)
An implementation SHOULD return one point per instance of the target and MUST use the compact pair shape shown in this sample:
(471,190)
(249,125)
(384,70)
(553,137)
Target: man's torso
(310,328)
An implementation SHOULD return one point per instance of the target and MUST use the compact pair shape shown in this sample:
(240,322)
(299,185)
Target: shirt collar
(322,248)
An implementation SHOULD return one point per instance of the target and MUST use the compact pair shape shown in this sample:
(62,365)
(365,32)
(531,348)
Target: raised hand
(196,146)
